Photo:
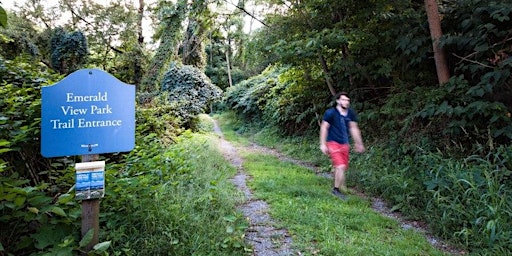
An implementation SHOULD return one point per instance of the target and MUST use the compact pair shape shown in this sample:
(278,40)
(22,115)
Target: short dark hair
(339,94)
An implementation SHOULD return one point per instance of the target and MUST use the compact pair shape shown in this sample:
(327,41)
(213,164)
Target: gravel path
(269,241)
(265,239)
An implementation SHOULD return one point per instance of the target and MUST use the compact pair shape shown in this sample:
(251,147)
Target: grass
(301,147)
(322,224)
(178,202)
(319,223)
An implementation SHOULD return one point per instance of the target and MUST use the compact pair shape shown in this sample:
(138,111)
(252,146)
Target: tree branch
(91,25)
(472,61)
(248,13)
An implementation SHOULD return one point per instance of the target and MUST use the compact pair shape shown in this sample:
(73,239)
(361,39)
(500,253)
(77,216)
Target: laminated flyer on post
(90,180)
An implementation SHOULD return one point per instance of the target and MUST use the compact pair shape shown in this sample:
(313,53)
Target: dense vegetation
(438,152)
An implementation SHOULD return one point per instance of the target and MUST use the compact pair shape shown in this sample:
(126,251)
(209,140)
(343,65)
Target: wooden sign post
(91,212)
(87,113)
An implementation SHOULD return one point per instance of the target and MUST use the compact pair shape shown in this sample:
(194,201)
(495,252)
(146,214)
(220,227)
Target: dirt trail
(269,241)
(265,239)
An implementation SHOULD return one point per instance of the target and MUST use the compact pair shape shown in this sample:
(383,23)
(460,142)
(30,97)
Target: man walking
(338,124)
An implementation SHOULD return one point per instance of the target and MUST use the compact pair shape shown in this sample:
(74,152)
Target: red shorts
(338,153)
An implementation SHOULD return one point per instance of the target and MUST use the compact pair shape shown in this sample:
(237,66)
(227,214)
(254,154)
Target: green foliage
(32,220)
(192,48)
(463,117)
(470,201)
(281,97)
(3,17)
(156,119)
(249,97)
(20,119)
(189,90)
(465,201)
(296,102)
(39,213)
(68,50)
(477,34)
(169,33)
(169,200)
(16,39)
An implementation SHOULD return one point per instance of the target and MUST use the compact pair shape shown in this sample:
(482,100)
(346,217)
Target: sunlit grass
(320,223)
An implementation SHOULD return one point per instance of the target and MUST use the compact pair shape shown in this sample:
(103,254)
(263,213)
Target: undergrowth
(465,201)
(173,202)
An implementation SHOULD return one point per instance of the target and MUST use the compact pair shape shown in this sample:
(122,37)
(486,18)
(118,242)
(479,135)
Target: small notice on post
(90,180)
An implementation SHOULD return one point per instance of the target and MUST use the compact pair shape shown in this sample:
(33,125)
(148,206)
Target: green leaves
(87,238)
(189,91)
(68,50)
(3,17)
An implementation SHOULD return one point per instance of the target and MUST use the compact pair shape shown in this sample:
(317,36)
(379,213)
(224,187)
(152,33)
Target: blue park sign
(87,112)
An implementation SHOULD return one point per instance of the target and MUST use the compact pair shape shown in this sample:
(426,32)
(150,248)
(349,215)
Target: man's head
(343,100)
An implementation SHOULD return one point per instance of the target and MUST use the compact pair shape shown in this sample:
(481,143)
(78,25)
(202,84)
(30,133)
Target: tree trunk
(228,64)
(139,22)
(327,74)
(434,22)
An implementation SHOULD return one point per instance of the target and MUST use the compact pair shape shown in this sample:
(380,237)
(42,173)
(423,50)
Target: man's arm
(356,135)
(324,127)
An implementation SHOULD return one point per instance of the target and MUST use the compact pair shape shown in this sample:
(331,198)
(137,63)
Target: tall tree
(170,34)
(112,30)
(434,22)
(200,22)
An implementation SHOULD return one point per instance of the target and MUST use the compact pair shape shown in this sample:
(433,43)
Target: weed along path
(291,211)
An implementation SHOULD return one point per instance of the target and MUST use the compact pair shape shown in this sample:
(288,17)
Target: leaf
(230,218)
(101,247)
(87,238)
(65,198)
(3,150)
(58,211)
(33,210)
(47,236)
(3,17)
(20,200)
(482,47)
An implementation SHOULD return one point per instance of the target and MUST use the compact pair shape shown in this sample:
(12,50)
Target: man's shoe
(338,194)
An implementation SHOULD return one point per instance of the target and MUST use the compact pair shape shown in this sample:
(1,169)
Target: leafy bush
(471,118)
(157,118)
(249,97)
(69,50)
(190,91)
(20,119)
(281,97)
(34,220)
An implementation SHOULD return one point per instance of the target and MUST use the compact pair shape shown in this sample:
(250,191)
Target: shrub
(189,91)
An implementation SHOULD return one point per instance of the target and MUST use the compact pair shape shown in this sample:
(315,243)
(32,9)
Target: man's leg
(339,177)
